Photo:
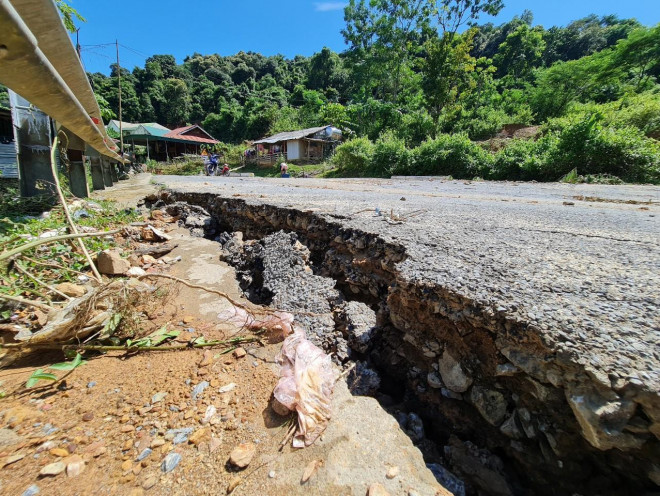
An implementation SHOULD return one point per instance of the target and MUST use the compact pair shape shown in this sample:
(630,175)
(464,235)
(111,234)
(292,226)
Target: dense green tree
(584,37)
(326,71)
(446,71)
(177,102)
(639,55)
(520,52)
(489,37)
(412,76)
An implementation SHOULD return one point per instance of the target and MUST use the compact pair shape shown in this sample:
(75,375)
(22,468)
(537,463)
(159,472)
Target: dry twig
(23,301)
(92,347)
(74,229)
(53,265)
(24,271)
(41,241)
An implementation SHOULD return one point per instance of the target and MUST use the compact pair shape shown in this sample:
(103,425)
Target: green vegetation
(40,375)
(417,90)
(54,262)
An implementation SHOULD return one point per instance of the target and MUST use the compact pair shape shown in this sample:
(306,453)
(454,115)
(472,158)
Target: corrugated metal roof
(125,126)
(194,139)
(182,138)
(151,129)
(180,132)
(291,135)
(133,126)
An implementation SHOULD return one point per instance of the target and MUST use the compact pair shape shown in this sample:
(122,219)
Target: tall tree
(446,71)
(177,102)
(639,54)
(520,53)
(380,36)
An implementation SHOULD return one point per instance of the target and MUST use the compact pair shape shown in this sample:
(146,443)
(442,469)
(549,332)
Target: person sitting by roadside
(225,170)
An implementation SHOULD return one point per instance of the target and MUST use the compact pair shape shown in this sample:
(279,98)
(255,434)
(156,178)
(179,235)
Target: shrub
(416,127)
(452,155)
(520,160)
(593,149)
(485,123)
(354,156)
(390,156)
(641,111)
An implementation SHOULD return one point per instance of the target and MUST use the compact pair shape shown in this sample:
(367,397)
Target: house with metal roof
(163,143)
(304,145)
(128,128)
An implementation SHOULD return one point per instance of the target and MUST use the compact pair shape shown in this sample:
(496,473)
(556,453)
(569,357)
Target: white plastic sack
(307,379)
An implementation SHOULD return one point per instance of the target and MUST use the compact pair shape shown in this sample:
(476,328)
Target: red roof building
(193,133)
(163,144)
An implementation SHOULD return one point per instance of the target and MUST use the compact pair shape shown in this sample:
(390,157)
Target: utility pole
(78,43)
(121,134)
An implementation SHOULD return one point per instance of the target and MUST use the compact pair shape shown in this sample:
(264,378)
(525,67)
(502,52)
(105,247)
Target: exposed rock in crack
(485,380)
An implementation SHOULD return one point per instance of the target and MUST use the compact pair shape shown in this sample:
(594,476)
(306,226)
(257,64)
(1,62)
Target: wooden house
(305,145)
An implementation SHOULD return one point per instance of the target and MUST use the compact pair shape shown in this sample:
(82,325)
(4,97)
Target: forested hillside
(420,88)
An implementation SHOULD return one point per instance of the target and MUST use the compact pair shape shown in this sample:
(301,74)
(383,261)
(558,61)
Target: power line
(134,50)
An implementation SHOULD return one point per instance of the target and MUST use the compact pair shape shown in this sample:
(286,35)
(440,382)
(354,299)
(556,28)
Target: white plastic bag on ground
(307,379)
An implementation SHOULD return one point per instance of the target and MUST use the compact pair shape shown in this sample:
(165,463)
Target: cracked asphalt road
(579,262)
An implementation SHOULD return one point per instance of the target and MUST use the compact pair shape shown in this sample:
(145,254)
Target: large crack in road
(517,394)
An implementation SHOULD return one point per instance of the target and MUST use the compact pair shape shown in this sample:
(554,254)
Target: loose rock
(53,469)
(242,455)
(229,387)
(235,482)
(110,263)
(310,470)
(170,462)
(33,490)
(199,389)
(392,472)
(149,482)
(71,289)
(491,404)
(136,272)
(158,397)
(13,459)
(75,466)
(453,374)
(144,454)
(377,489)
(199,436)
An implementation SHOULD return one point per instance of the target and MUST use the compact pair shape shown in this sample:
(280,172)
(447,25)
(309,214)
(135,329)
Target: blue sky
(147,27)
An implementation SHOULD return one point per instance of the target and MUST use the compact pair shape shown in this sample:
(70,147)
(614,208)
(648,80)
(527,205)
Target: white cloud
(329,6)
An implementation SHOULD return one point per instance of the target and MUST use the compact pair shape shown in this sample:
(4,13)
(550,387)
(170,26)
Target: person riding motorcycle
(212,165)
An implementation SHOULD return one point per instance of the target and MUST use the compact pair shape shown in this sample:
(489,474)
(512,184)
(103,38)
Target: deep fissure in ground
(440,368)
